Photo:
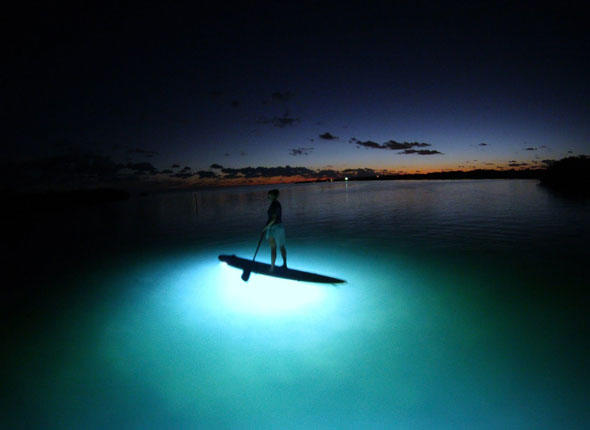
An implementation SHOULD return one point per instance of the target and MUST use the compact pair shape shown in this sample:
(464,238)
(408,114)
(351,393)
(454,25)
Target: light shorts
(277,231)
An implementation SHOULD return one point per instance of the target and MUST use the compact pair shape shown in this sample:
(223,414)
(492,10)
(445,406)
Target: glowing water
(463,308)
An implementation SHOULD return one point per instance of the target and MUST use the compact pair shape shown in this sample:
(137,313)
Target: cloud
(301,151)
(142,168)
(328,136)
(391,144)
(516,164)
(420,151)
(206,174)
(79,169)
(530,148)
(358,172)
(288,171)
(281,97)
(268,172)
(280,121)
(183,175)
(73,170)
(366,143)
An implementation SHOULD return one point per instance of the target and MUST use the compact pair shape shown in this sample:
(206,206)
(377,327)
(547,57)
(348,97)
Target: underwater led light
(267,295)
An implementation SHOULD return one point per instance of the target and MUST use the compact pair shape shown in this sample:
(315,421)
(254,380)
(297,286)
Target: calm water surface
(465,307)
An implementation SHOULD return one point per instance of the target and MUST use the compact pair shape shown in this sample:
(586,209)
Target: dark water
(466,306)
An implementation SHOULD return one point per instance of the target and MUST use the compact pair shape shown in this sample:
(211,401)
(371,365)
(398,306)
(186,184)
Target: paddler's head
(273,195)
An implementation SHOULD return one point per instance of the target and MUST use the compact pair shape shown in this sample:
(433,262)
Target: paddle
(246,274)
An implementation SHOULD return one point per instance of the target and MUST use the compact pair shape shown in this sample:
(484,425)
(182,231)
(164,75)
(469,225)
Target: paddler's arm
(271,222)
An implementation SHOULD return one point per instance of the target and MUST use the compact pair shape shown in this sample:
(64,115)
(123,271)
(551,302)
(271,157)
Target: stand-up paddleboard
(278,272)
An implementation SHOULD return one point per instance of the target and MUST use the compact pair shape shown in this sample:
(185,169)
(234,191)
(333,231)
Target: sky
(181,95)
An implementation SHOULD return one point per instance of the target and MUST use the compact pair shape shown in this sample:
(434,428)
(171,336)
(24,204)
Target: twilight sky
(161,93)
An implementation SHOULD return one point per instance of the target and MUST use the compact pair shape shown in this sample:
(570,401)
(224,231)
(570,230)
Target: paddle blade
(246,275)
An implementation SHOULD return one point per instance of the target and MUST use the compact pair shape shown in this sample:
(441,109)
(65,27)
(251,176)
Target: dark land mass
(454,174)
(471,174)
(57,200)
(569,175)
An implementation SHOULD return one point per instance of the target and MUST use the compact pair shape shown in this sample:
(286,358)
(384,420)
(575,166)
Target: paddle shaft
(246,274)
(258,246)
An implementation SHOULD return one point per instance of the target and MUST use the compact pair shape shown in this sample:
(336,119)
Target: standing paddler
(275,232)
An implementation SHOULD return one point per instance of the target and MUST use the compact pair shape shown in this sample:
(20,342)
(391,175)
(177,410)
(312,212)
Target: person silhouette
(274,230)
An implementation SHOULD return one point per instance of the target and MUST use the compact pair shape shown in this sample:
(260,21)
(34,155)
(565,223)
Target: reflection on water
(465,307)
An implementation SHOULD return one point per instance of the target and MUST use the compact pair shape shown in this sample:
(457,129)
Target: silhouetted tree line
(454,174)
(568,174)
(52,200)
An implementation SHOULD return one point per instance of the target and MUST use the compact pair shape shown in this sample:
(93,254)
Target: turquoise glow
(264,295)
(440,324)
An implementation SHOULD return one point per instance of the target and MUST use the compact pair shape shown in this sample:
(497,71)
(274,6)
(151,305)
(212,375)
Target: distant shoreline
(56,200)
(571,175)
(455,174)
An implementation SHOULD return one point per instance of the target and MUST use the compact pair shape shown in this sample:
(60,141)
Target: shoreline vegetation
(56,200)
(569,175)
(452,174)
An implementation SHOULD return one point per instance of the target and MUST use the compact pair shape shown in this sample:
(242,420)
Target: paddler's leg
(284,255)
(273,252)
